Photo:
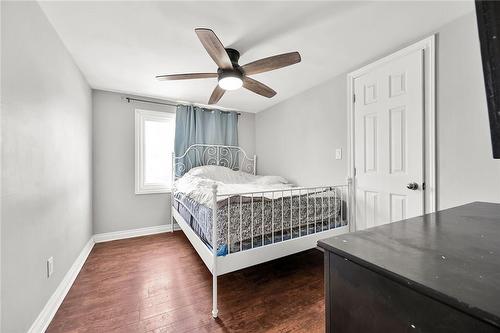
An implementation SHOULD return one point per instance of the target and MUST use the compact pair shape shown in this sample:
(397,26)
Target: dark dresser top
(452,255)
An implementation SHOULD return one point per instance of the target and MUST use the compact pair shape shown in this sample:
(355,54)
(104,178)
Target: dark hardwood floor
(159,284)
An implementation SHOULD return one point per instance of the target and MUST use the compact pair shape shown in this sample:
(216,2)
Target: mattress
(270,220)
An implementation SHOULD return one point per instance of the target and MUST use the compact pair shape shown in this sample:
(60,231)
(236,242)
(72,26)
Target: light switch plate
(50,266)
(338,154)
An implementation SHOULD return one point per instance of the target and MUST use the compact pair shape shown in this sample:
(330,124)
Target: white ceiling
(121,45)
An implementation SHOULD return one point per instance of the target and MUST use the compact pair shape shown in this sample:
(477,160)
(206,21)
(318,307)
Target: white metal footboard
(320,212)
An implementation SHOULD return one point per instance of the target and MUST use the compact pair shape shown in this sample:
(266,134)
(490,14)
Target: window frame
(141,116)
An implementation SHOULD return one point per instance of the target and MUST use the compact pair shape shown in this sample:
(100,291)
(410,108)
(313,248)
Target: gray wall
(246,132)
(466,170)
(46,155)
(116,206)
(298,137)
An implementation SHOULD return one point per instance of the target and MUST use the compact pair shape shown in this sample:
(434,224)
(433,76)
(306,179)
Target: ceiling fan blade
(214,47)
(271,63)
(216,95)
(187,76)
(258,88)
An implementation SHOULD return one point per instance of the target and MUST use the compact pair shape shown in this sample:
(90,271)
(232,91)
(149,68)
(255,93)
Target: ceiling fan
(230,74)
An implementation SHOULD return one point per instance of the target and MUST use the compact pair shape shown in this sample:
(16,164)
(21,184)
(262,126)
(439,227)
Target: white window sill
(154,191)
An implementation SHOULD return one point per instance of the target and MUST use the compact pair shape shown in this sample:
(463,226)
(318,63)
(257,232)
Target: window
(154,145)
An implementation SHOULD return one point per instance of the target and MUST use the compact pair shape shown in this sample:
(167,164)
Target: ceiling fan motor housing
(236,71)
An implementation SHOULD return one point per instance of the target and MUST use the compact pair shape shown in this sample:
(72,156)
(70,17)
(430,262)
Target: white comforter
(197,184)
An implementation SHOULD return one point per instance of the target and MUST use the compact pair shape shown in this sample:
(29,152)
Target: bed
(236,219)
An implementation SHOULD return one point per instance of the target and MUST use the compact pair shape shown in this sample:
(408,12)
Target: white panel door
(388,141)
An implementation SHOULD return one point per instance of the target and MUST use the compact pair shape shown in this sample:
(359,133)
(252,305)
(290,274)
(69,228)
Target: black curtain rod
(161,103)
(146,101)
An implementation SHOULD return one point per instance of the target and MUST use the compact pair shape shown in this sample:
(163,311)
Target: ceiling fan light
(230,82)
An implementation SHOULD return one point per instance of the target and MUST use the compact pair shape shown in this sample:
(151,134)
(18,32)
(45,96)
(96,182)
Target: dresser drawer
(361,300)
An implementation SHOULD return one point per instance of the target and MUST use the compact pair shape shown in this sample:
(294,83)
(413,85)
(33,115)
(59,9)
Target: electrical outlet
(338,154)
(50,266)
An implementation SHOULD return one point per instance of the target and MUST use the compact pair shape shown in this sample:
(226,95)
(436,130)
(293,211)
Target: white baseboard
(109,236)
(45,317)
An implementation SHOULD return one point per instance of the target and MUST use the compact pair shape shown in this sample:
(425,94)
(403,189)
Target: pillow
(228,176)
(271,180)
(218,173)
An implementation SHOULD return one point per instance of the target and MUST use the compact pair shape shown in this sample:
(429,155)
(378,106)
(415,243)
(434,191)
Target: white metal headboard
(233,157)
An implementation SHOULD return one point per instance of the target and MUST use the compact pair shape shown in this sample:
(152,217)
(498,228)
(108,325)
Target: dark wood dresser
(434,273)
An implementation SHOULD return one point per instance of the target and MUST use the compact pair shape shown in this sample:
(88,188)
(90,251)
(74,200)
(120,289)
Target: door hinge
(354,98)
(423,186)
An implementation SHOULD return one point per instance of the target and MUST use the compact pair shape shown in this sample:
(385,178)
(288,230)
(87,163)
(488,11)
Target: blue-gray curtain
(198,125)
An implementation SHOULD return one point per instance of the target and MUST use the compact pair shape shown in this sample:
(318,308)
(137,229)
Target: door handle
(412,186)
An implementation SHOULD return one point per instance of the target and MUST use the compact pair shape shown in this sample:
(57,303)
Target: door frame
(428,45)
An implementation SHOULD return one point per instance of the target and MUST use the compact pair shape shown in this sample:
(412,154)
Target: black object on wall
(488,21)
